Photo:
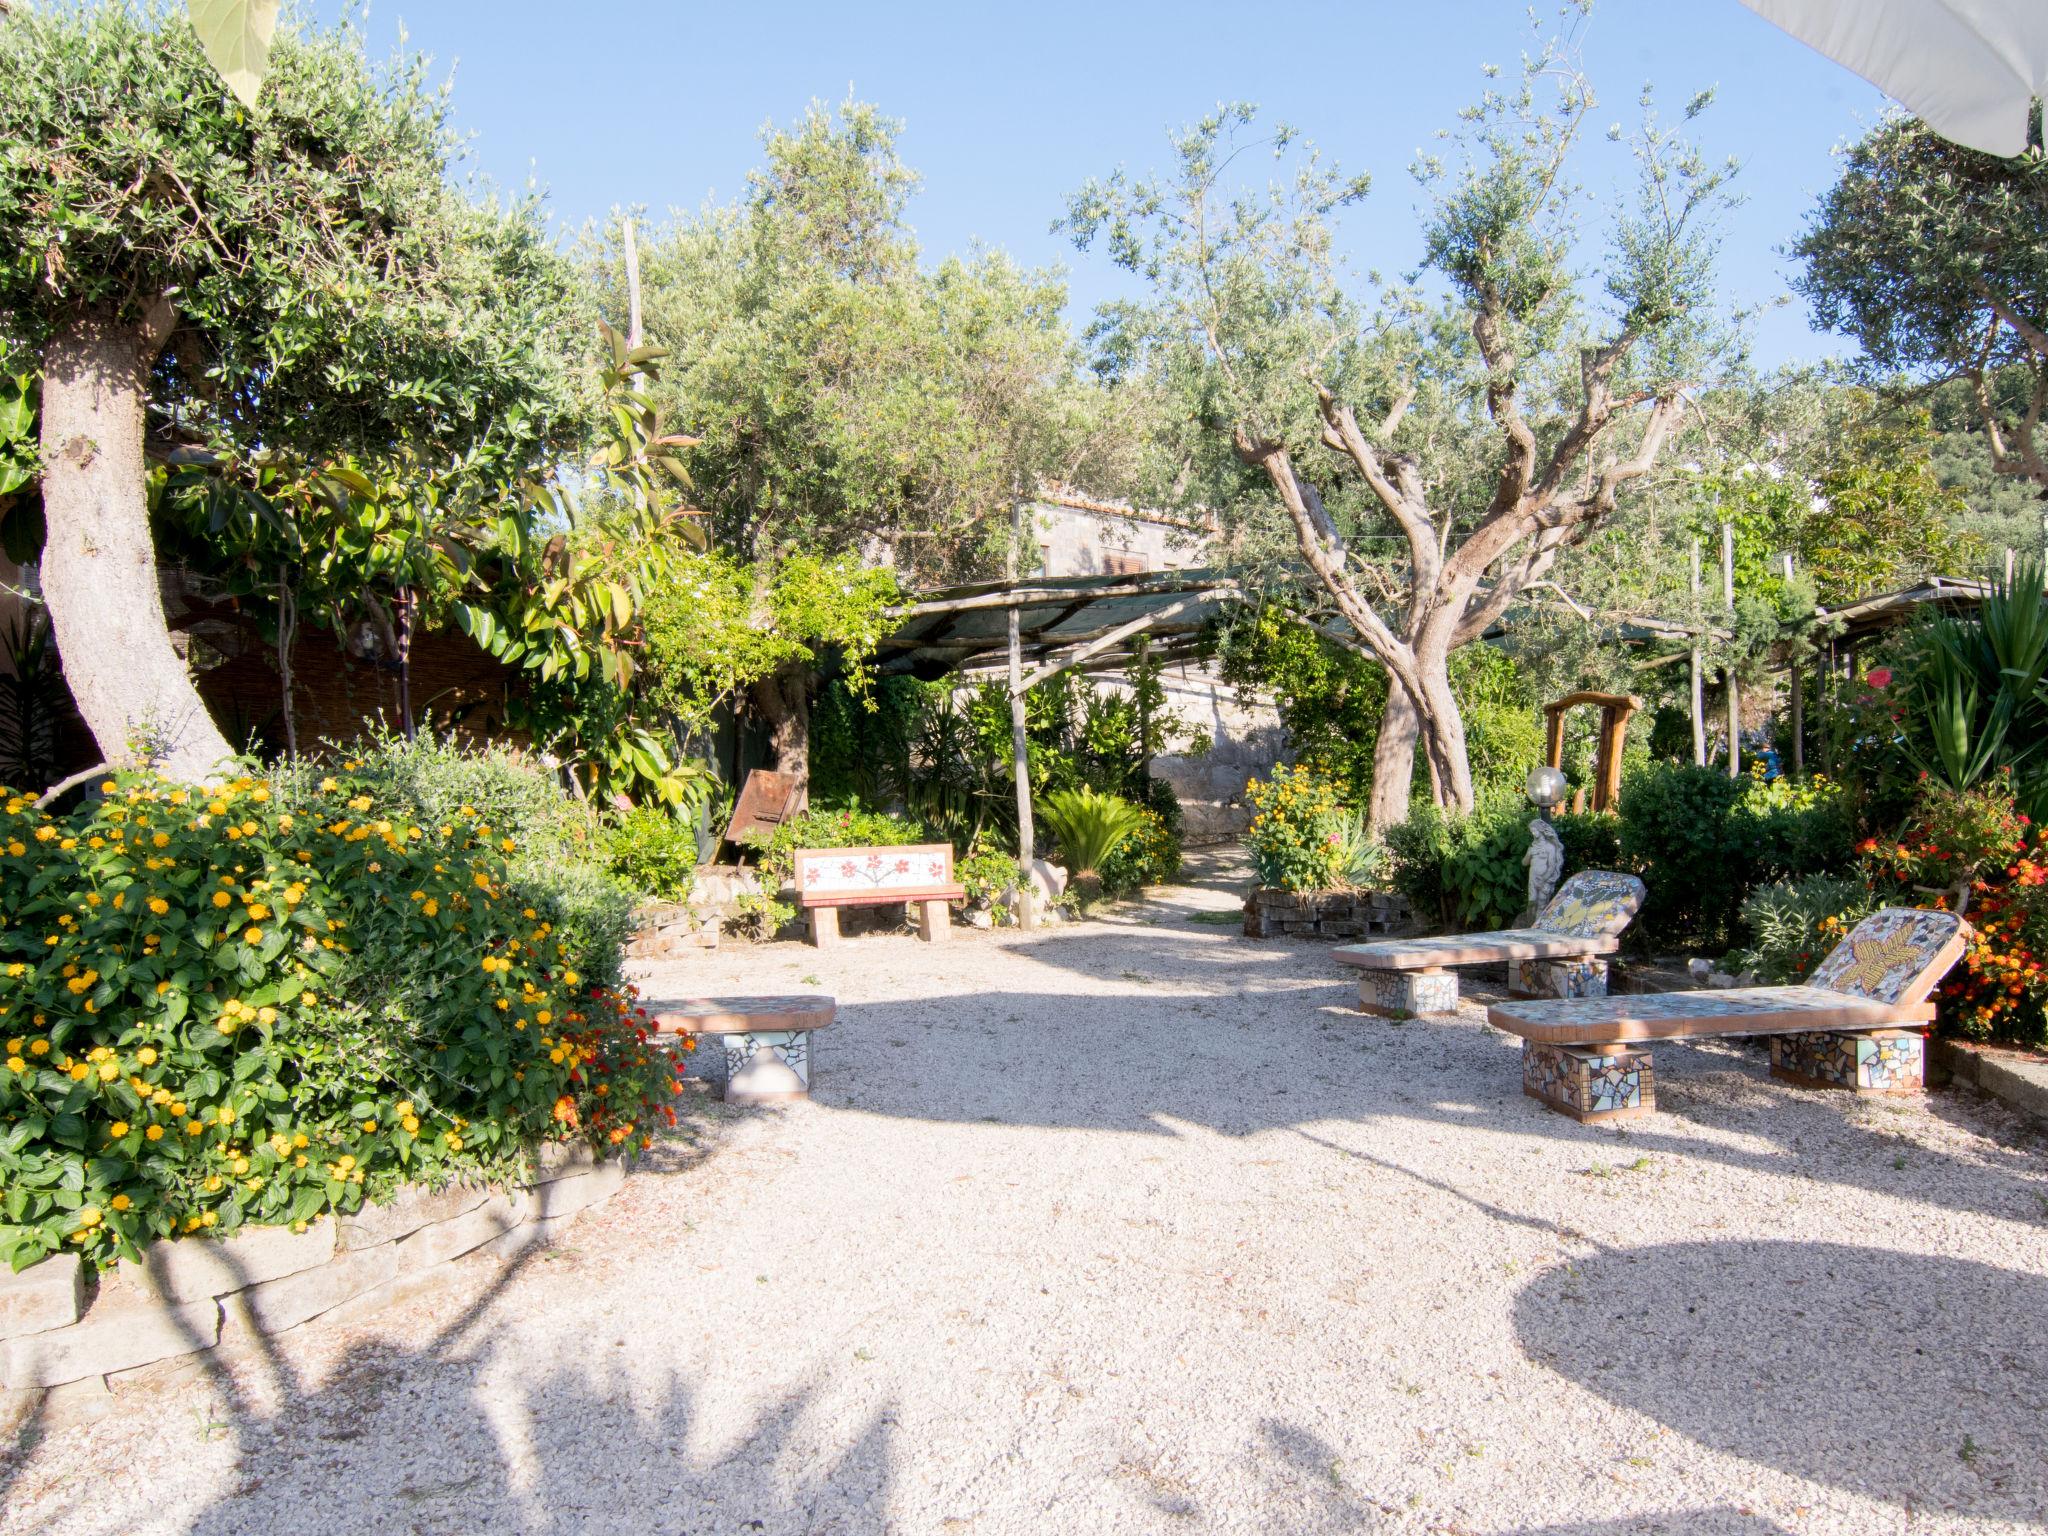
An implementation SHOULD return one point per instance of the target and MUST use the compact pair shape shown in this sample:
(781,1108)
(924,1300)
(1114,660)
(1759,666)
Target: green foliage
(1467,871)
(987,875)
(1090,826)
(1930,254)
(236,35)
(649,851)
(241,1004)
(1149,855)
(557,862)
(838,389)
(715,624)
(847,826)
(1792,924)
(1701,841)
(332,289)
(33,699)
(1299,835)
(1973,696)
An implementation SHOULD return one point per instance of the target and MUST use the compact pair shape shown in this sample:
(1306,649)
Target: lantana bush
(256,1002)
(1298,836)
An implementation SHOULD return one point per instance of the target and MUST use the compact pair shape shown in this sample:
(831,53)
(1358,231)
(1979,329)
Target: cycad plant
(1980,687)
(1090,826)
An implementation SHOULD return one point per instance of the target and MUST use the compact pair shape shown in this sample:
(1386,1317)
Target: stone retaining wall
(189,1295)
(1270,912)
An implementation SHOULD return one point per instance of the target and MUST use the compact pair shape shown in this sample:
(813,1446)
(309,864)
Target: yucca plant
(1980,685)
(1090,826)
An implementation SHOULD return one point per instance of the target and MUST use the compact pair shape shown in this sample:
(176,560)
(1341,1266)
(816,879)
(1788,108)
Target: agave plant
(1980,685)
(1090,826)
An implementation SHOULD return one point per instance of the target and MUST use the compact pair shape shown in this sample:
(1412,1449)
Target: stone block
(1581,976)
(406,1212)
(559,1159)
(1589,1083)
(110,1338)
(1406,994)
(563,1197)
(1875,1061)
(445,1240)
(276,1305)
(47,1295)
(188,1268)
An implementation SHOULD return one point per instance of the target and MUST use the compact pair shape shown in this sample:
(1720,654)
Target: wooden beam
(1102,642)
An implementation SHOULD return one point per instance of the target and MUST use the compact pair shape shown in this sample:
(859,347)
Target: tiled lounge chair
(1858,1024)
(1561,956)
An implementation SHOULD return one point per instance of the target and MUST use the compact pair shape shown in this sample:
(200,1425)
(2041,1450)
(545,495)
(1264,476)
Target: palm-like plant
(1090,826)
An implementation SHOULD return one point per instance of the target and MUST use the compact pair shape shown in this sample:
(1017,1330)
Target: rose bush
(256,1002)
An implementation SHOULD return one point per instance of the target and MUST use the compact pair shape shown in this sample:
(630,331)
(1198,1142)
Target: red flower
(1881,677)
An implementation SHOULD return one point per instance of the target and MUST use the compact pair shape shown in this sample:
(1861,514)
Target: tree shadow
(1913,1379)
(1233,1037)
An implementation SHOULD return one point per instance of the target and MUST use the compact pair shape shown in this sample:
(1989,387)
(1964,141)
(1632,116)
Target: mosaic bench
(765,1041)
(1563,955)
(920,876)
(1860,1023)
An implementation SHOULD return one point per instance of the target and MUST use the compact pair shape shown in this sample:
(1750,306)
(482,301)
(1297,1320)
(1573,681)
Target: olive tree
(1425,454)
(846,399)
(1935,258)
(296,279)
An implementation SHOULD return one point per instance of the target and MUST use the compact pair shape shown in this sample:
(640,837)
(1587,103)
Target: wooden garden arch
(1615,709)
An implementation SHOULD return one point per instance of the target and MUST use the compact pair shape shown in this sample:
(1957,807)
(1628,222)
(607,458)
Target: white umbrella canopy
(1971,69)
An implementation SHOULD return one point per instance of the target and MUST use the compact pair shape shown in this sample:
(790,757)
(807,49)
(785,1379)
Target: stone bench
(1563,955)
(764,1042)
(1859,1025)
(920,876)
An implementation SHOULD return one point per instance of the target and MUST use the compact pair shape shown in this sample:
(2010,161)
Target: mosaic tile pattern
(1880,1061)
(793,1046)
(1589,1084)
(1586,977)
(1593,904)
(1887,952)
(1404,994)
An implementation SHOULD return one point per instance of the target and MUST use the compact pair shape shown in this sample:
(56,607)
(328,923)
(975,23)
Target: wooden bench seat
(1858,1024)
(919,876)
(765,1052)
(1561,956)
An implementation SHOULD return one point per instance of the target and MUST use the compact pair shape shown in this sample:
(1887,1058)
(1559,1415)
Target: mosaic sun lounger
(1561,956)
(1858,1024)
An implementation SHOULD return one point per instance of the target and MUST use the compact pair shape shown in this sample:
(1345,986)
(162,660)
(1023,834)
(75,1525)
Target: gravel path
(1134,1226)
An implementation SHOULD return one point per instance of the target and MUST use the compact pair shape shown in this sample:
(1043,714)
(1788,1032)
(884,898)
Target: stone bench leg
(938,918)
(767,1067)
(1590,1083)
(1869,1061)
(1581,977)
(1405,994)
(824,926)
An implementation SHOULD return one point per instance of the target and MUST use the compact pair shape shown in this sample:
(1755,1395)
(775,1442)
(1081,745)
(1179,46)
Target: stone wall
(1271,913)
(59,1326)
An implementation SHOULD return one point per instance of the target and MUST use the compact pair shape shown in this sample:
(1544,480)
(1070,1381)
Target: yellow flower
(222,899)
(118,1129)
(253,936)
(120,1202)
(153,1133)
(88,1216)
(147,1055)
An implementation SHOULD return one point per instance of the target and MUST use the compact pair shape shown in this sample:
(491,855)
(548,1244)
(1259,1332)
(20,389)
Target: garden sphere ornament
(1546,788)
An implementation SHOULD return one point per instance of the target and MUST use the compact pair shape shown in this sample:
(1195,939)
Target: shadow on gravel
(418,1441)
(1915,1380)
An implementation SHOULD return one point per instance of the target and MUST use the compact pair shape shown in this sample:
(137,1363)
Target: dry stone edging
(190,1295)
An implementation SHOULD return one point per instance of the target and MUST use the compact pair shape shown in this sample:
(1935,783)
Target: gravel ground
(1134,1226)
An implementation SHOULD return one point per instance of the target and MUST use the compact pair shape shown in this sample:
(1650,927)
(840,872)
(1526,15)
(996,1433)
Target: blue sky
(1008,109)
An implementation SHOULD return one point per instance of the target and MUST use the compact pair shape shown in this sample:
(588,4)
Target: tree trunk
(1443,731)
(783,701)
(1393,760)
(99,565)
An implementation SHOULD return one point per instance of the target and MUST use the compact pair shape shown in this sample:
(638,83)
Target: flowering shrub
(1976,840)
(252,1003)
(1297,838)
(1150,854)
(1794,923)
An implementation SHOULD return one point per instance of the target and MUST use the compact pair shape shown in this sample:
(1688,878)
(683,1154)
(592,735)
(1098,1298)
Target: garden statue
(1545,859)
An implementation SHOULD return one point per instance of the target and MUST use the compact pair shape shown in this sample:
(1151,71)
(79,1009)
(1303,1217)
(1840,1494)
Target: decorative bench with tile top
(1858,1024)
(918,876)
(1563,955)
(765,1040)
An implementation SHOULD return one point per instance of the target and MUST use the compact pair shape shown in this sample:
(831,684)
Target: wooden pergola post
(1798,701)
(1728,674)
(1699,699)
(1027,893)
